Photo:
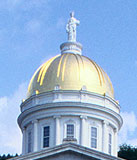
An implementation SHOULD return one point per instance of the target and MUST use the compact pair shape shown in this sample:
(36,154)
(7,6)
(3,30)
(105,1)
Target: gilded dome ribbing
(70,72)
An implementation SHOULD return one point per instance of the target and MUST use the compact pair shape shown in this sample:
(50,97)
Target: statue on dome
(71,27)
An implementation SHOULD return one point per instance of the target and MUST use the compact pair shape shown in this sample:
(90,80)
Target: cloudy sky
(31,32)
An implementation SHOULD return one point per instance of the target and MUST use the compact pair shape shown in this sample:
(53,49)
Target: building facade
(70,111)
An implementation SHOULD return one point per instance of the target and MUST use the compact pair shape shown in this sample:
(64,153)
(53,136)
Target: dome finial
(71,28)
(71,46)
(72,14)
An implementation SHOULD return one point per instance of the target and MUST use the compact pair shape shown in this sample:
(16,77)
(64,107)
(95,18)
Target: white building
(70,111)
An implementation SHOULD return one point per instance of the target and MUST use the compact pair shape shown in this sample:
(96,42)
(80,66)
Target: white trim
(67,147)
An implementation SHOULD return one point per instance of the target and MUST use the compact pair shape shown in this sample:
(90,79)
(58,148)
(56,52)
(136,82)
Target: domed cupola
(70,70)
(70,99)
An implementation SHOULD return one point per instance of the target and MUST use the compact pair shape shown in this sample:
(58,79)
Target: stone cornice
(33,100)
(67,147)
(82,110)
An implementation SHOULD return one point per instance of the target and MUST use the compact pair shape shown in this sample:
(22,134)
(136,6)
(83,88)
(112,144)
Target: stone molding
(70,96)
(74,105)
(67,147)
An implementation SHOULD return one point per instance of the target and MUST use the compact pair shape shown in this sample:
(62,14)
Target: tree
(127,152)
(4,157)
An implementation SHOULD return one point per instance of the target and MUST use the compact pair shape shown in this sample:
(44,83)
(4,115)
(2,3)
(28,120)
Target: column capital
(104,122)
(35,121)
(57,117)
(83,117)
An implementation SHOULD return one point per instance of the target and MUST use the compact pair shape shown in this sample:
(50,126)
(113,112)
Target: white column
(23,140)
(35,123)
(114,144)
(83,130)
(104,137)
(57,130)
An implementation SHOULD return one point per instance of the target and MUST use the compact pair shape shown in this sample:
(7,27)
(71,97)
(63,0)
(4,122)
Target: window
(93,137)
(29,142)
(70,130)
(109,143)
(46,136)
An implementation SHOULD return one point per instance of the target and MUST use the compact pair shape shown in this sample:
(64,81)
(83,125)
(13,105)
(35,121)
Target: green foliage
(4,157)
(127,152)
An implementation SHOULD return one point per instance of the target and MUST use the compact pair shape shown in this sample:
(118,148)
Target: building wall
(37,114)
(69,155)
(83,139)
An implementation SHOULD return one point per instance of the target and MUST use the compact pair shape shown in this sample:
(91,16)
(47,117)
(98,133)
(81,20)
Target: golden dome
(70,72)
